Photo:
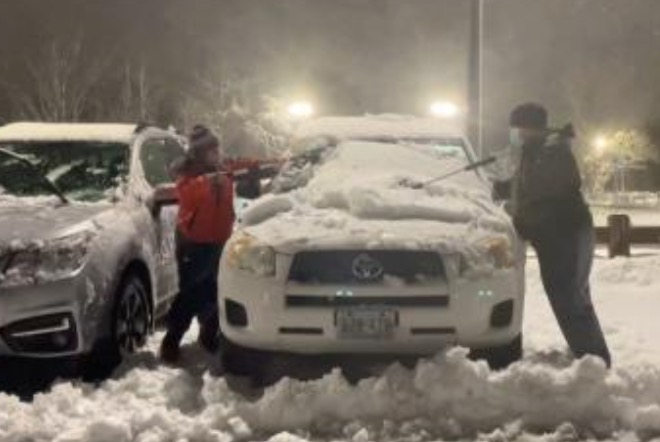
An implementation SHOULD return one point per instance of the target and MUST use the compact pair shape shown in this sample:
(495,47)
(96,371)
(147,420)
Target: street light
(600,143)
(444,109)
(300,110)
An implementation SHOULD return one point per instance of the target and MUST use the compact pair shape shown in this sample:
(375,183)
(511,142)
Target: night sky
(595,62)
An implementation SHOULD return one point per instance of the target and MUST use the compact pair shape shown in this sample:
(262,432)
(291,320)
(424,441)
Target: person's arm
(249,168)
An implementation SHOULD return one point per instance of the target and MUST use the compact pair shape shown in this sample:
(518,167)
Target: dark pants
(198,290)
(565,262)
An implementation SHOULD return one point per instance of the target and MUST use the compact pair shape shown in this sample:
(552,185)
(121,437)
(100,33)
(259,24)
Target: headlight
(247,253)
(499,251)
(46,261)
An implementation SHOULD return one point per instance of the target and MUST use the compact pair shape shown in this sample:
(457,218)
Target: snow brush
(473,166)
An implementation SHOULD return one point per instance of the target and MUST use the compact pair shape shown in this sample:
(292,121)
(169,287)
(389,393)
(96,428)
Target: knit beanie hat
(529,116)
(200,140)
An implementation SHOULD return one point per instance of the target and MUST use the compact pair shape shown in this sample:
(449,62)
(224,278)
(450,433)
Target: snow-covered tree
(616,152)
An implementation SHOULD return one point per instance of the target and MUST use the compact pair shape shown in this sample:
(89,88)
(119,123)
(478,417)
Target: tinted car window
(157,155)
(85,171)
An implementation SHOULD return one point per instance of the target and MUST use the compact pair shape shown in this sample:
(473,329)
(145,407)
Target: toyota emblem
(366,268)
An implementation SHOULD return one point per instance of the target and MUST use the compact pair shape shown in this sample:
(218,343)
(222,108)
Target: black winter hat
(201,139)
(529,116)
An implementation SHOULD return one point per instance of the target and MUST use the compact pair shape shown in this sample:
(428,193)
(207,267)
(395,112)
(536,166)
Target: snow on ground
(547,397)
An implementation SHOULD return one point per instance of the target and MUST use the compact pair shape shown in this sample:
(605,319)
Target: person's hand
(217,179)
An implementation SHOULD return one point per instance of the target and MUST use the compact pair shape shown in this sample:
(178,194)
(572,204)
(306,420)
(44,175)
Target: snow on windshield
(84,171)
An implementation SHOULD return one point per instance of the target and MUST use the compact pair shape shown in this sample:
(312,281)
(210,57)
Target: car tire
(244,362)
(130,324)
(500,357)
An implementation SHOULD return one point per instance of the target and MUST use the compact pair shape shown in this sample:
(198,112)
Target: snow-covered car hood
(34,219)
(354,198)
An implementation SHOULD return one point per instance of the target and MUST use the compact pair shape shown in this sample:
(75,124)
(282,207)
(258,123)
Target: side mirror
(164,195)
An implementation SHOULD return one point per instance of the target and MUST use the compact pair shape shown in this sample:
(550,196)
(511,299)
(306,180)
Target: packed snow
(387,125)
(357,196)
(546,397)
(119,133)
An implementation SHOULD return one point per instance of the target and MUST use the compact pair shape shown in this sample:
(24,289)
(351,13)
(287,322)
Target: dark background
(594,62)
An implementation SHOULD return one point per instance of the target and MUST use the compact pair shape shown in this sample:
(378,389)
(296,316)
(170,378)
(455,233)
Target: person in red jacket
(205,221)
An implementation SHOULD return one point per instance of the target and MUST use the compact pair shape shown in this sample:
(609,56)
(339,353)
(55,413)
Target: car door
(156,158)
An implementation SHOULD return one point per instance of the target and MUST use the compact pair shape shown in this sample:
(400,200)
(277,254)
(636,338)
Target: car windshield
(438,147)
(300,168)
(83,171)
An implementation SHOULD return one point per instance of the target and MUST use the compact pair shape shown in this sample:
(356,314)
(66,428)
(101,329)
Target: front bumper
(43,320)
(257,313)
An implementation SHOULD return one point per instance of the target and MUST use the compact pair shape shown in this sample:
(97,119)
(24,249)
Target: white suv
(345,257)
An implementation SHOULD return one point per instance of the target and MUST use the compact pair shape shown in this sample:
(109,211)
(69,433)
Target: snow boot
(208,339)
(170,352)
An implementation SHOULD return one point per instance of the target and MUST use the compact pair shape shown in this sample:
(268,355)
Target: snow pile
(546,397)
(354,197)
(449,397)
(388,125)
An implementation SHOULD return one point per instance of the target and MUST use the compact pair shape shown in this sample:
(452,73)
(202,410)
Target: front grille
(304,301)
(366,267)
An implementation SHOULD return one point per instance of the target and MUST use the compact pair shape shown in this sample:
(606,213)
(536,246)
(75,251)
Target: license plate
(366,323)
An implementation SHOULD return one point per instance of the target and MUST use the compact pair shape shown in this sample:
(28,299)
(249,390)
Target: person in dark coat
(550,212)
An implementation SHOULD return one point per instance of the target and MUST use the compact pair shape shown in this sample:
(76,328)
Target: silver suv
(86,237)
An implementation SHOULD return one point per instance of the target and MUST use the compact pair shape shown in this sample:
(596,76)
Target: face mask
(515,138)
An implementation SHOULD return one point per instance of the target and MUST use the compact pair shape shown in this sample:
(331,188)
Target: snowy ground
(547,397)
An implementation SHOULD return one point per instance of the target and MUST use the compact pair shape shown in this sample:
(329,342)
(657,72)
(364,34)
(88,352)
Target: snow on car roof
(379,126)
(109,132)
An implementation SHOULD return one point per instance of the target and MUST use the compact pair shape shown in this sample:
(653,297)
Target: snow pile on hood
(545,398)
(387,125)
(354,198)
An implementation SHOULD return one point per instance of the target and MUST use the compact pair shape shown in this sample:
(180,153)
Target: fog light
(236,313)
(502,314)
(44,334)
(60,340)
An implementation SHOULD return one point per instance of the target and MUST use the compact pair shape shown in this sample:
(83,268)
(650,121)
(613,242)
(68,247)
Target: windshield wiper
(49,184)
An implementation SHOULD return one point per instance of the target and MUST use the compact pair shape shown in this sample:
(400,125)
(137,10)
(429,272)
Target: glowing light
(300,109)
(444,109)
(600,143)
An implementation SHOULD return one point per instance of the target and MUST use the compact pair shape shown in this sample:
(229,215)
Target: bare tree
(137,94)
(60,82)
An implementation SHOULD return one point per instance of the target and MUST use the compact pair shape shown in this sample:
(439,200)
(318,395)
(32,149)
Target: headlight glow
(46,261)
(248,254)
